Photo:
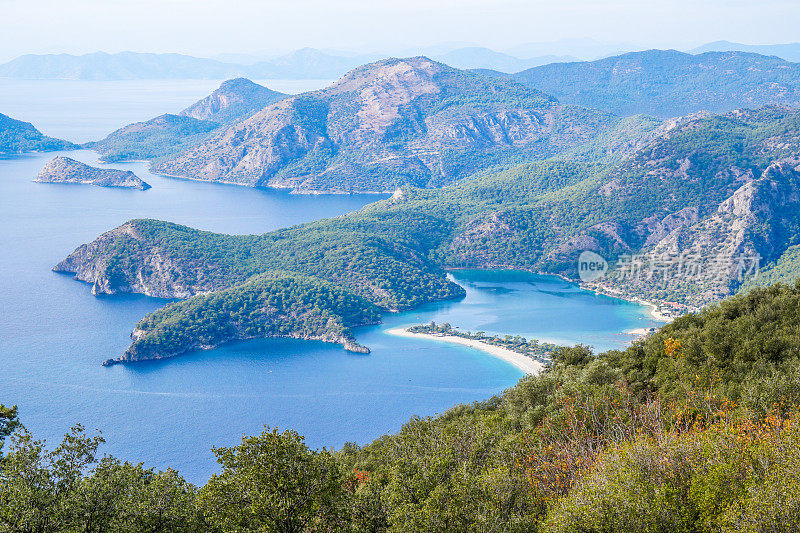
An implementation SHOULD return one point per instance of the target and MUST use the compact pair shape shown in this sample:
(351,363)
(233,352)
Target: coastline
(655,314)
(652,307)
(526,364)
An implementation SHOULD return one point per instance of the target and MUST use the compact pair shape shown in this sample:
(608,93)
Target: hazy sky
(208,27)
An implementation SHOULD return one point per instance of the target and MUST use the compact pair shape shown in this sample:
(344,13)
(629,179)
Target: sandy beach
(655,314)
(641,332)
(526,364)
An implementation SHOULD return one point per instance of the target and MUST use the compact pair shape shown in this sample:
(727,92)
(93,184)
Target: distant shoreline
(652,307)
(526,364)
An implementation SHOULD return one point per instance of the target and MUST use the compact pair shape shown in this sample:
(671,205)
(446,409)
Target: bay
(54,334)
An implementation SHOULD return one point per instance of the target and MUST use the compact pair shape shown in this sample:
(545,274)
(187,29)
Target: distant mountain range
(306,63)
(121,66)
(479,58)
(668,83)
(789,51)
(585,49)
(17,137)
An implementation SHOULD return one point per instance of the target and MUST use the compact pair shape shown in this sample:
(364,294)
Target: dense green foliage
(158,137)
(44,491)
(273,482)
(784,270)
(667,83)
(379,257)
(695,428)
(17,137)
(8,422)
(275,304)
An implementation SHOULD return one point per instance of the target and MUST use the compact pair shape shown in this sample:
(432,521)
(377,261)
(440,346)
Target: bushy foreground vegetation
(695,428)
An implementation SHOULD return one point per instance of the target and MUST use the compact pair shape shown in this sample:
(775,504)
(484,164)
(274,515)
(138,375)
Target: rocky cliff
(65,170)
(168,134)
(311,282)
(234,100)
(682,220)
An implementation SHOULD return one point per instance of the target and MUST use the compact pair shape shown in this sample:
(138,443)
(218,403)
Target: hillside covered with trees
(668,83)
(720,189)
(234,100)
(17,137)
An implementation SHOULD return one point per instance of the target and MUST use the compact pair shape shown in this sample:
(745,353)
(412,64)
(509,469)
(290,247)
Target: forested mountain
(159,136)
(694,428)
(381,260)
(722,189)
(17,137)
(276,304)
(667,83)
(788,51)
(391,123)
(234,100)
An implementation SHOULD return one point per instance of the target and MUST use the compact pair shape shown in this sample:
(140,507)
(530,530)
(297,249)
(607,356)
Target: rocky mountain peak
(409,72)
(235,99)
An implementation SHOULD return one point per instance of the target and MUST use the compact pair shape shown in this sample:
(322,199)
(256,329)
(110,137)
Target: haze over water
(54,335)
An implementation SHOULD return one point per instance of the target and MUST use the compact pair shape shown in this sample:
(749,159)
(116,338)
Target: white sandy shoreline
(526,364)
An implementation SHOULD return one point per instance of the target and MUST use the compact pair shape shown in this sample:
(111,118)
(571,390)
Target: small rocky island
(65,170)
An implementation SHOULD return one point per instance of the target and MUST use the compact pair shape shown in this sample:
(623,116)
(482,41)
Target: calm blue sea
(54,334)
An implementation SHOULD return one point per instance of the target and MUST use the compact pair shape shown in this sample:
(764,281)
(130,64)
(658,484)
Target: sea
(54,334)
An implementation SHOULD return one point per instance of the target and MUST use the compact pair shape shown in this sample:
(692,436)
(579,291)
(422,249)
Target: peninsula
(529,356)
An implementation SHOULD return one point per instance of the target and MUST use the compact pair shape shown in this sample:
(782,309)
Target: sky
(210,27)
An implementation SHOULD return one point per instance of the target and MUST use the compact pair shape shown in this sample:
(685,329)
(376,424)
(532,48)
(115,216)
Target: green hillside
(17,137)
(668,83)
(717,187)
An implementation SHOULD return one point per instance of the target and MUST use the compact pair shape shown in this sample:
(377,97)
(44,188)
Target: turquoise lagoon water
(54,334)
